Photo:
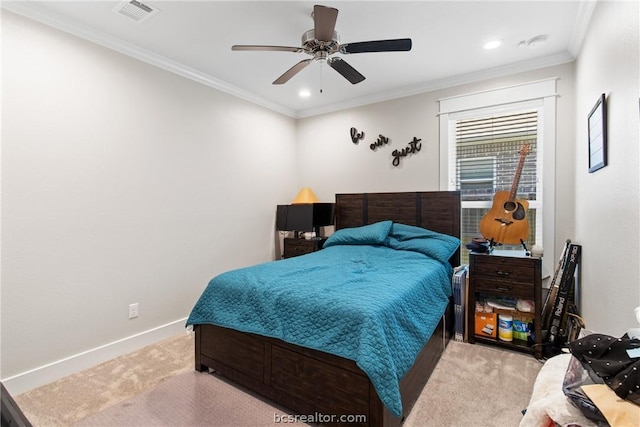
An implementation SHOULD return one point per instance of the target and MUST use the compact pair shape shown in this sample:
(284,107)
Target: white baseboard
(42,375)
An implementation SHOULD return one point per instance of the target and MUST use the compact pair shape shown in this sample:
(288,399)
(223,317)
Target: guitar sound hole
(509,206)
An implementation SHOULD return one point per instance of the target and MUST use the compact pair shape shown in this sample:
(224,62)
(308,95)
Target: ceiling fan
(322,41)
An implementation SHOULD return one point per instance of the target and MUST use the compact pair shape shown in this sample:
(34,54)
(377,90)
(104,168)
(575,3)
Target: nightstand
(509,274)
(294,247)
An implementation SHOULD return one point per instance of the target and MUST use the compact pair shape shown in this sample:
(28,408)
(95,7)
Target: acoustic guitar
(506,223)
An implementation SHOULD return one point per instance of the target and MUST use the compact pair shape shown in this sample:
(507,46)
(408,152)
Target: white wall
(330,162)
(122,183)
(607,201)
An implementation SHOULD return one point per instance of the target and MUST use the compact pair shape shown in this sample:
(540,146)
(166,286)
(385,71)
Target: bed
(319,381)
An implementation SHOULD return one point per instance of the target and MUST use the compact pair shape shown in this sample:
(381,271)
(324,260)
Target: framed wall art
(598,135)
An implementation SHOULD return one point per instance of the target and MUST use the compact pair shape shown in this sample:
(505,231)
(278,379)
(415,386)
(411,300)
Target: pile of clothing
(602,364)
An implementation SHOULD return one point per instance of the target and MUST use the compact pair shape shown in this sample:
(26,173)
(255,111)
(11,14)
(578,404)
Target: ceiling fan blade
(347,71)
(247,47)
(292,71)
(324,22)
(395,45)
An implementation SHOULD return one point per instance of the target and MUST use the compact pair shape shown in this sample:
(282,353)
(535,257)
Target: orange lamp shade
(305,195)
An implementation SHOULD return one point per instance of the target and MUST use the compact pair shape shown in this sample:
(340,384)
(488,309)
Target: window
(487,157)
(476,175)
(482,136)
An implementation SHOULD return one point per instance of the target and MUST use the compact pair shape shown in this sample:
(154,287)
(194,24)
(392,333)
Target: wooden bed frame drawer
(300,375)
(247,356)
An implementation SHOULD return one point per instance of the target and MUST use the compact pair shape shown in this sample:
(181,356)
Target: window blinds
(488,153)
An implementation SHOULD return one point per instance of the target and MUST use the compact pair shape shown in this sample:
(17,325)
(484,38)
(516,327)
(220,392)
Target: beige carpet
(189,399)
(476,385)
(472,385)
(70,399)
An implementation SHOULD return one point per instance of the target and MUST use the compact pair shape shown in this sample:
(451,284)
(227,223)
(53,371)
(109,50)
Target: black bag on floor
(575,377)
(616,361)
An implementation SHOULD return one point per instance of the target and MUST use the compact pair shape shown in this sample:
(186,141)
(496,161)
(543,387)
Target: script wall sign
(412,148)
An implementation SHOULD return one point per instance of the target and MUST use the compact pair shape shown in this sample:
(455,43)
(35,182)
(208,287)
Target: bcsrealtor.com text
(318,418)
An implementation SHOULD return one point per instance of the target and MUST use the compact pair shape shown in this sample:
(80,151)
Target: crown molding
(585,11)
(54,20)
(543,62)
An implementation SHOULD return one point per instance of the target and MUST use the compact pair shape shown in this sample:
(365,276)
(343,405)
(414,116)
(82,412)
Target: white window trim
(541,94)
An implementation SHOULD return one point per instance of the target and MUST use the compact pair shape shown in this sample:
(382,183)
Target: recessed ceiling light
(304,93)
(492,44)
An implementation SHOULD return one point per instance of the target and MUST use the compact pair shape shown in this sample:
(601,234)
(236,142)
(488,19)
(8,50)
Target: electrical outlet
(133,310)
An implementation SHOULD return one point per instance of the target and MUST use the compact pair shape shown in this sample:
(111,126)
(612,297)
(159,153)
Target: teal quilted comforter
(374,295)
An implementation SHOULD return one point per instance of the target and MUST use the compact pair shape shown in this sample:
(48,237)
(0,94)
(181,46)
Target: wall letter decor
(413,147)
(355,136)
(379,142)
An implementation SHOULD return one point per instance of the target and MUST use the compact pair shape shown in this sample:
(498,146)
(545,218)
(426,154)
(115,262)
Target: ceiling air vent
(135,10)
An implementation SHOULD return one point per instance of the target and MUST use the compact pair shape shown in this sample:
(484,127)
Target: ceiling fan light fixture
(311,44)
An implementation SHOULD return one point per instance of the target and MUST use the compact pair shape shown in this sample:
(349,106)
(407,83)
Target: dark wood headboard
(435,210)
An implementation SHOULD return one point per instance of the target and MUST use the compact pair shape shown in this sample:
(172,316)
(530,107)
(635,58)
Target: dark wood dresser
(509,274)
(294,247)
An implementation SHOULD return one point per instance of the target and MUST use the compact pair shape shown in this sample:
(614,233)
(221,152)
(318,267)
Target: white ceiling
(194,39)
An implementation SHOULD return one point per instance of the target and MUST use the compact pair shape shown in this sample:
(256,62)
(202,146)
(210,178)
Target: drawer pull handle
(503,288)
(502,273)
